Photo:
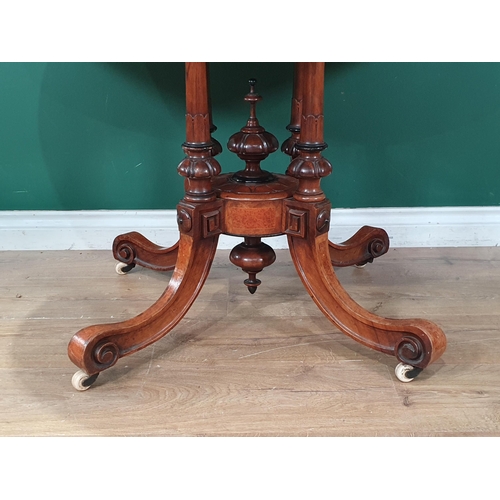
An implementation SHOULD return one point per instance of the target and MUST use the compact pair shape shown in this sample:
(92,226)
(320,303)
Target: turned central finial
(253,98)
(252,143)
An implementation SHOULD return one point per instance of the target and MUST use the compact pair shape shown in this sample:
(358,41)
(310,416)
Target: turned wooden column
(199,166)
(199,212)
(217,147)
(197,104)
(288,147)
(309,166)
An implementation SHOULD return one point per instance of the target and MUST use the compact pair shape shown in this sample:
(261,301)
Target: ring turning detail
(253,204)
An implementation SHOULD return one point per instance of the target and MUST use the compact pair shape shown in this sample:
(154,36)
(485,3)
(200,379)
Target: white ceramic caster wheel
(81,381)
(122,268)
(402,372)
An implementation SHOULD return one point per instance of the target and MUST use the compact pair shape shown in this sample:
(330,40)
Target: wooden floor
(267,364)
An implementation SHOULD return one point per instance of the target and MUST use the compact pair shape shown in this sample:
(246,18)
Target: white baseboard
(95,230)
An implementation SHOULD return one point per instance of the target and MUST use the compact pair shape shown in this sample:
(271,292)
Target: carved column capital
(198,168)
(309,166)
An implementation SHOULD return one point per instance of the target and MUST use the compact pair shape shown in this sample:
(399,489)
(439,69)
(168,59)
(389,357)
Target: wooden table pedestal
(253,204)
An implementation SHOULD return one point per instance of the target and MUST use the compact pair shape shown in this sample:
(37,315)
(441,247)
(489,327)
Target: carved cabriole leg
(133,248)
(200,220)
(99,347)
(367,244)
(415,342)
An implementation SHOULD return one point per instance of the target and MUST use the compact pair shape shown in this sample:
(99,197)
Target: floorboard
(268,364)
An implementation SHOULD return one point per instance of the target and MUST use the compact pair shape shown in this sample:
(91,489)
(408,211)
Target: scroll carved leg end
(91,351)
(363,247)
(97,348)
(132,249)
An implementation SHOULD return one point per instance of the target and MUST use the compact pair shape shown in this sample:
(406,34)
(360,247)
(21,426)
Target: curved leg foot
(133,248)
(364,246)
(96,348)
(415,342)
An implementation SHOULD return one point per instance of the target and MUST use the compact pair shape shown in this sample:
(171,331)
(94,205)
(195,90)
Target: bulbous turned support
(309,166)
(253,144)
(97,348)
(252,256)
(198,168)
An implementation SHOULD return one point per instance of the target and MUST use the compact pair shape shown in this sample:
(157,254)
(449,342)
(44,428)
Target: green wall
(86,136)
